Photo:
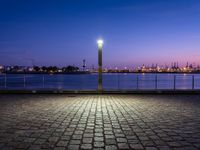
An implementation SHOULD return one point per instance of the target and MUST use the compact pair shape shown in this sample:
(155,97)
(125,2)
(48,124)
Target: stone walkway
(99,122)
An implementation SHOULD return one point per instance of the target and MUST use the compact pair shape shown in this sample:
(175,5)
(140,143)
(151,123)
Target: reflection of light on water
(60,87)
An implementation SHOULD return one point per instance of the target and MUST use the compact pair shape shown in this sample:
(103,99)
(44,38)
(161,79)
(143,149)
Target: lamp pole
(100,46)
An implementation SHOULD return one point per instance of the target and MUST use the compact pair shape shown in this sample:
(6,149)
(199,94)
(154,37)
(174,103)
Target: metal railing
(110,82)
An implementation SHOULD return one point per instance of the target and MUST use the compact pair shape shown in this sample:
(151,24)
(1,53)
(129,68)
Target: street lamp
(100,46)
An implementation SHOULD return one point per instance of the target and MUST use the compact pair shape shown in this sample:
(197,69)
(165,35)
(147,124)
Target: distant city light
(189,68)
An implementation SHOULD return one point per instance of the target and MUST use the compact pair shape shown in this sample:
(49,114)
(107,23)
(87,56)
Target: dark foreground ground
(100,122)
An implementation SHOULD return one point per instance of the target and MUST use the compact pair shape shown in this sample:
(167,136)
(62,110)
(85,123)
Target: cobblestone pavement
(100,122)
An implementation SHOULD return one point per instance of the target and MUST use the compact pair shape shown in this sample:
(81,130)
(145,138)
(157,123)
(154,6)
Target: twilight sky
(62,32)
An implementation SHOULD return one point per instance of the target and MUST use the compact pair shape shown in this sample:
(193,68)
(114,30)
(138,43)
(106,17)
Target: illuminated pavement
(99,122)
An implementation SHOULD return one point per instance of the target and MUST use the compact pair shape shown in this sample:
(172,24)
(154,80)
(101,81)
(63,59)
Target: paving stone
(73,147)
(62,143)
(110,141)
(23,145)
(109,136)
(98,149)
(151,148)
(53,139)
(59,148)
(121,140)
(75,142)
(99,144)
(123,146)
(98,139)
(77,137)
(111,147)
(40,141)
(174,144)
(89,135)
(86,146)
(136,146)
(98,134)
(66,138)
(164,148)
(87,140)
(78,132)
(100,122)
(35,147)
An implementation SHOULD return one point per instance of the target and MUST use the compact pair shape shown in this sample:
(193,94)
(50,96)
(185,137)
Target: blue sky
(62,32)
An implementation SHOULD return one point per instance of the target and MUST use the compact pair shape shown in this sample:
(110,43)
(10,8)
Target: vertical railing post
(5,81)
(43,81)
(156,82)
(137,80)
(118,80)
(174,82)
(193,82)
(24,80)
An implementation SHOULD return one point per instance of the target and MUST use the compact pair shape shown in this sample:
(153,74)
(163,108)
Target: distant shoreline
(46,72)
(158,72)
(87,72)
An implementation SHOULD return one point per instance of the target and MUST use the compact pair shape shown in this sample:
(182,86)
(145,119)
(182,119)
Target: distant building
(1,69)
(84,64)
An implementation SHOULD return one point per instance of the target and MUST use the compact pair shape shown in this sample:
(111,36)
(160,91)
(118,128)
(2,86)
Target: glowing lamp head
(100,42)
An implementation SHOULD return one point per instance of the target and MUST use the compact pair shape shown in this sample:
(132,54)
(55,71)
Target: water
(118,81)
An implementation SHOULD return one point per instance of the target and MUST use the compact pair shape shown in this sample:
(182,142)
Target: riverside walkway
(108,122)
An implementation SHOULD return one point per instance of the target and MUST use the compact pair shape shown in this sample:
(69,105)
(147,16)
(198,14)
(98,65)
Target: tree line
(45,69)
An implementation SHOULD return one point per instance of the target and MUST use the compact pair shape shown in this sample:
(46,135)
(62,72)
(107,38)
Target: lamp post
(100,46)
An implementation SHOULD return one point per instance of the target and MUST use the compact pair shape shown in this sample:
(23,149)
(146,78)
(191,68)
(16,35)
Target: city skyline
(87,65)
(174,67)
(65,32)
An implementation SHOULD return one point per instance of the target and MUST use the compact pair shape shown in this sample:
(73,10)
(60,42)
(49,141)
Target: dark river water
(118,81)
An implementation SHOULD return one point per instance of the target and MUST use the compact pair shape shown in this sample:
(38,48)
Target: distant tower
(84,64)
(93,68)
(187,65)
